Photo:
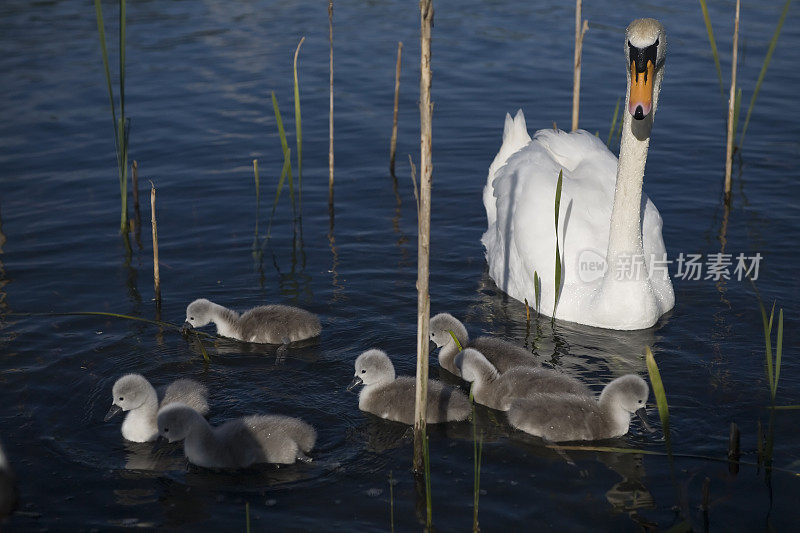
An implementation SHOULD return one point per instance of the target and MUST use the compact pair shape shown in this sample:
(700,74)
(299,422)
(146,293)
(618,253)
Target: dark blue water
(199,77)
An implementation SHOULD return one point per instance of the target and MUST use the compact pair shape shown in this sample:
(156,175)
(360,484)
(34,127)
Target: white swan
(605,219)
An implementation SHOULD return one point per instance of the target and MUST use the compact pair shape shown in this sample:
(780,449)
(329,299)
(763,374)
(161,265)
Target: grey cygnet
(502,354)
(237,443)
(495,390)
(135,395)
(571,417)
(393,398)
(266,324)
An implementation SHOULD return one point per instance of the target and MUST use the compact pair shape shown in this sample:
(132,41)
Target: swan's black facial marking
(640,56)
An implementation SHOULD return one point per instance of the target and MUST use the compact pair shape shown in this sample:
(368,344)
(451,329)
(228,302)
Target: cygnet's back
(394,399)
(497,390)
(504,355)
(571,417)
(188,392)
(274,324)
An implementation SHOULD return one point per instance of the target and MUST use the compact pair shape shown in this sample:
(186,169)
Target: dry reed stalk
(156,275)
(393,144)
(330,120)
(731,103)
(580,31)
(424,230)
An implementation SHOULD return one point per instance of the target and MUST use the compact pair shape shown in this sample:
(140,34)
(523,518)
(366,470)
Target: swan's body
(237,443)
(135,395)
(503,355)
(605,220)
(268,324)
(495,390)
(393,398)
(569,417)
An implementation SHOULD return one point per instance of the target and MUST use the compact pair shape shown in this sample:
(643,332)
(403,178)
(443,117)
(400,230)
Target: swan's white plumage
(519,198)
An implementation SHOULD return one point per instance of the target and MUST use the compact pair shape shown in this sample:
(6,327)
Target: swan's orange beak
(640,101)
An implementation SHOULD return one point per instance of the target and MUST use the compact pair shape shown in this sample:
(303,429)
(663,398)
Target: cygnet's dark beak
(112,412)
(355,383)
(186,328)
(642,414)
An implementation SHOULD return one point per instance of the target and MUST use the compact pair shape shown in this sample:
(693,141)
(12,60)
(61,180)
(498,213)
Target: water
(199,80)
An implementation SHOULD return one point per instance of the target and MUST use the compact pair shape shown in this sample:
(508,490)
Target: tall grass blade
(713,44)
(202,347)
(455,339)
(247,516)
(658,392)
(284,147)
(537,290)
(613,123)
(558,252)
(737,107)
(764,66)
(778,350)
(768,344)
(287,169)
(298,130)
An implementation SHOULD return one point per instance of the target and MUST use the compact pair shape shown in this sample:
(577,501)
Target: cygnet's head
(175,421)
(372,367)
(645,51)
(473,364)
(440,327)
(629,393)
(198,313)
(129,392)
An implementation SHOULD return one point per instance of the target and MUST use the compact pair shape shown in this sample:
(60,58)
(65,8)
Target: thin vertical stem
(424,230)
(580,30)
(330,119)
(298,130)
(731,101)
(156,275)
(393,144)
(135,184)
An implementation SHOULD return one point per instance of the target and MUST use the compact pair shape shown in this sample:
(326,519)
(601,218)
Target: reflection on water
(629,495)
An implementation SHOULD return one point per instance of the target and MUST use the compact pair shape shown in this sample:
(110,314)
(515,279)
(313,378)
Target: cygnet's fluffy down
(135,395)
(236,443)
(267,324)
(393,398)
(495,390)
(502,354)
(571,417)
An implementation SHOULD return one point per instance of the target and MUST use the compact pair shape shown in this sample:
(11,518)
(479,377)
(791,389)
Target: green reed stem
(247,516)
(764,66)
(659,393)
(298,130)
(458,344)
(287,163)
(558,252)
(713,44)
(391,503)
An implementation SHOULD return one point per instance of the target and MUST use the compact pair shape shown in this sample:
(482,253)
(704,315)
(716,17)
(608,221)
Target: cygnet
(237,443)
(502,354)
(495,390)
(571,417)
(393,398)
(268,324)
(134,394)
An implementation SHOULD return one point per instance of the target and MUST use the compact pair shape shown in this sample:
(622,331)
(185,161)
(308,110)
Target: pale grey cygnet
(496,390)
(237,443)
(571,417)
(135,395)
(266,324)
(393,397)
(502,354)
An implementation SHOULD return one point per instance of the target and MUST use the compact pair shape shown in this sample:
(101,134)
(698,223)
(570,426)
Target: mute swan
(495,390)
(605,220)
(567,417)
(237,443)
(135,395)
(269,324)
(393,398)
(502,354)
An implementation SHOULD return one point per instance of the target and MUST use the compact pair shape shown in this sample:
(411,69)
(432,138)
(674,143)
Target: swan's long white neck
(625,236)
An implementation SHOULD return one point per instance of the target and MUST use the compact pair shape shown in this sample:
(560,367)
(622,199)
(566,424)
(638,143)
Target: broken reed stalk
(731,104)
(424,231)
(393,144)
(156,275)
(330,112)
(580,30)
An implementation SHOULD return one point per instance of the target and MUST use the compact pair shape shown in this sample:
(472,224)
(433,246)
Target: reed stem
(731,106)
(580,30)
(424,230)
(330,112)
(393,143)
(156,275)
(298,131)
(135,184)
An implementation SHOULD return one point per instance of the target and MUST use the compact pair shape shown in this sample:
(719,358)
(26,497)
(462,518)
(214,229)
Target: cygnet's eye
(121,398)
(191,318)
(364,371)
(166,430)
(640,401)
